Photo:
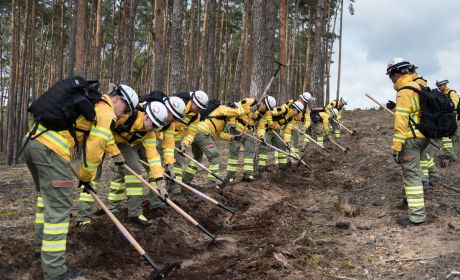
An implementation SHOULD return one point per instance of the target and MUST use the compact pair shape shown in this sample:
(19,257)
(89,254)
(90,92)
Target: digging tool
(271,80)
(160,273)
(170,203)
(391,112)
(296,156)
(277,149)
(351,132)
(197,192)
(310,138)
(200,165)
(340,146)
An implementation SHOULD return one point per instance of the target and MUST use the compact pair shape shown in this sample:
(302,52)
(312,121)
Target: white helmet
(400,65)
(200,98)
(443,82)
(129,95)
(334,112)
(175,105)
(306,96)
(157,113)
(270,102)
(344,101)
(299,106)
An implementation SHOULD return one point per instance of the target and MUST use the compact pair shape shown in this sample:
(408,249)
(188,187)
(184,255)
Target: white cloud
(424,32)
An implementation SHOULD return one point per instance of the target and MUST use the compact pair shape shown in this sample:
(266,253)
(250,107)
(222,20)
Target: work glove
(170,171)
(262,141)
(397,157)
(182,147)
(236,138)
(119,160)
(161,187)
(391,105)
(86,186)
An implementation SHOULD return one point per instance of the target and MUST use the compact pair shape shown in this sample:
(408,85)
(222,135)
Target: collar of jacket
(404,80)
(446,90)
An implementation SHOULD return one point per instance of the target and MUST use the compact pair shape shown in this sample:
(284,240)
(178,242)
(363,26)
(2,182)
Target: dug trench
(289,224)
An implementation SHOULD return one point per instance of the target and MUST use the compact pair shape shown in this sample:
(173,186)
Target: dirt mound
(289,224)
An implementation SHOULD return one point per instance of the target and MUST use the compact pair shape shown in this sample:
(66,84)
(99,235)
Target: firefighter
(408,141)
(208,128)
(306,99)
(48,158)
(283,116)
(239,126)
(340,106)
(185,129)
(320,123)
(450,144)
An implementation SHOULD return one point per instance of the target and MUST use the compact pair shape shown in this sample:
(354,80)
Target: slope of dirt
(287,227)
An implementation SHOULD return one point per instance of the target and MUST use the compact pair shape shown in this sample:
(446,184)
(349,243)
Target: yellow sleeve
(401,123)
(454,97)
(325,118)
(191,131)
(100,138)
(339,116)
(149,142)
(168,144)
(225,136)
(307,119)
(328,108)
(262,124)
(234,112)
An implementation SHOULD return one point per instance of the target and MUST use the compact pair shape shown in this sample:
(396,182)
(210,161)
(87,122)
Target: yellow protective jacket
(100,139)
(407,105)
(185,129)
(246,122)
(279,118)
(338,105)
(306,116)
(419,80)
(167,135)
(138,135)
(453,95)
(215,123)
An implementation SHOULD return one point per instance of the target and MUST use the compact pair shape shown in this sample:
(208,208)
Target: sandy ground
(288,225)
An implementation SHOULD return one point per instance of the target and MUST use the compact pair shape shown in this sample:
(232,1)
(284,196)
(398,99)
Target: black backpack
(458,105)
(212,105)
(155,95)
(314,114)
(60,106)
(437,118)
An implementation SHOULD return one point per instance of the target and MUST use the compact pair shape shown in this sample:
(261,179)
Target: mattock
(344,149)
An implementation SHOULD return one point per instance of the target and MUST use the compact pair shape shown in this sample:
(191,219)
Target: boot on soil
(83,223)
(72,274)
(248,178)
(406,222)
(140,220)
(426,187)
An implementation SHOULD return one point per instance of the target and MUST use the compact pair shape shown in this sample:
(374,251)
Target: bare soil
(288,225)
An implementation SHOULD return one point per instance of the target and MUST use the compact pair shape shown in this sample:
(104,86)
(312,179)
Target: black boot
(140,220)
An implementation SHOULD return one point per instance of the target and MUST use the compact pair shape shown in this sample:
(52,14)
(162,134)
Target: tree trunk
(241,58)
(200,77)
(248,46)
(340,52)
(129,45)
(177,34)
(263,35)
(283,56)
(80,38)
(211,61)
(72,43)
(158,46)
(97,47)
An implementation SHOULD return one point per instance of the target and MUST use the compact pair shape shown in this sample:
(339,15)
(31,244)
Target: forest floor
(288,225)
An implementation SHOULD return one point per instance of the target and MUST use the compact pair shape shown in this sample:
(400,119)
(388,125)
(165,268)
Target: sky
(424,32)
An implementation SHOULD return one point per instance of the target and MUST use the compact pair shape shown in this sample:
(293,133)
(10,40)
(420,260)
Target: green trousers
(272,139)
(54,183)
(154,200)
(175,188)
(317,132)
(336,129)
(294,144)
(234,154)
(203,145)
(430,171)
(123,181)
(412,177)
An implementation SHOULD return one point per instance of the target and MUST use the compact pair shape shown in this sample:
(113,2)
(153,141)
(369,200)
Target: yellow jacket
(186,128)
(306,116)
(167,136)
(278,118)
(100,139)
(419,80)
(338,106)
(138,135)
(407,105)
(215,123)
(453,95)
(246,122)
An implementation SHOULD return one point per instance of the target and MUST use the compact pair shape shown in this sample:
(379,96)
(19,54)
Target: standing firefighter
(408,141)
(241,125)
(450,144)
(186,128)
(212,125)
(283,116)
(340,106)
(49,152)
